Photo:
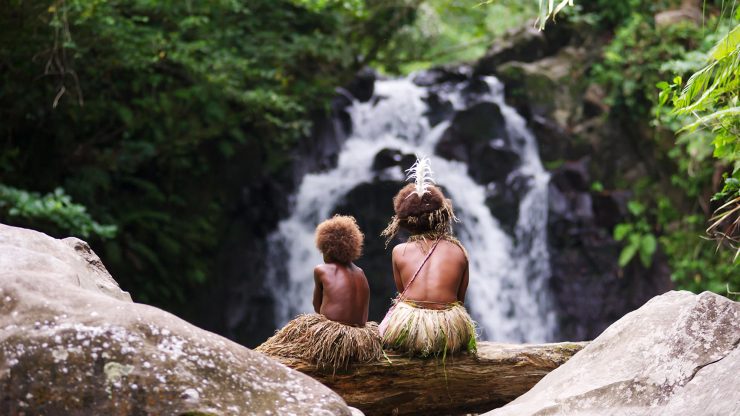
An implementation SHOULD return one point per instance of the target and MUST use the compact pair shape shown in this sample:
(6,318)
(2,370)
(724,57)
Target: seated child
(338,333)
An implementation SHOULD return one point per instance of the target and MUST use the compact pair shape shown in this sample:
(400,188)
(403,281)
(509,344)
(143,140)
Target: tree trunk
(458,385)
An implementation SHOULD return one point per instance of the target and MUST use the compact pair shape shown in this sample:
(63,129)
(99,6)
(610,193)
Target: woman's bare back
(443,278)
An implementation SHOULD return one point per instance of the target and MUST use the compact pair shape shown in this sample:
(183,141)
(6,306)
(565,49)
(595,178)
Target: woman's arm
(463,284)
(396,273)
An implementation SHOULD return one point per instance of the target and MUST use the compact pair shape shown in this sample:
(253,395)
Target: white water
(507,294)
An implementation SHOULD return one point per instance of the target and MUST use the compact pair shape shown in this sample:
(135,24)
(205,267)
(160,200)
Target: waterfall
(507,294)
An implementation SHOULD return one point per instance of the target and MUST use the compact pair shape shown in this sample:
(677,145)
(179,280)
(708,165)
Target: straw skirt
(424,332)
(328,344)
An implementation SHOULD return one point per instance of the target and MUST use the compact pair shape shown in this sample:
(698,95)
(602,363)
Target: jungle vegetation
(131,123)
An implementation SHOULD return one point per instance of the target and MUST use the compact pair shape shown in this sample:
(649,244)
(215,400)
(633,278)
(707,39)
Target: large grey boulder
(677,355)
(73,343)
(65,262)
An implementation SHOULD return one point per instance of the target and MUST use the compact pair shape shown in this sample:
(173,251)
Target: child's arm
(367,304)
(318,290)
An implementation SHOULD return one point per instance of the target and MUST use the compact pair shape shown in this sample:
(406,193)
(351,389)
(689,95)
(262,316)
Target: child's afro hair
(340,239)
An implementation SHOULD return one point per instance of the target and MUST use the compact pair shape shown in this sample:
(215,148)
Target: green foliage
(672,212)
(638,236)
(708,101)
(696,265)
(154,115)
(55,207)
(633,61)
(446,31)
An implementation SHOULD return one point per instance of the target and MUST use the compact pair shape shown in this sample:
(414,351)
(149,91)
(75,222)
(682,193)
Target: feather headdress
(420,207)
(421,173)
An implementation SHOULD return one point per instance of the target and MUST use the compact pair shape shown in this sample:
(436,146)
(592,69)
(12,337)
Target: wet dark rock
(594,101)
(610,207)
(551,87)
(441,75)
(590,289)
(439,109)
(555,143)
(524,44)
(543,75)
(387,158)
(371,204)
(478,136)
(362,85)
(503,201)
(572,176)
(475,89)
(492,163)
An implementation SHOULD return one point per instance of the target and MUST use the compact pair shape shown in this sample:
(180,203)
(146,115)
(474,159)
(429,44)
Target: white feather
(421,173)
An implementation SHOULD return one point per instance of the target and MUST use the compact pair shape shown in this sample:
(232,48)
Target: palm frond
(548,10)
(725,225)
(719,74)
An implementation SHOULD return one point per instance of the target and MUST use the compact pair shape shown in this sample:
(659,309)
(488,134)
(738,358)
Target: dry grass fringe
(328,344)
(438,222)
(432,236)
(430,332)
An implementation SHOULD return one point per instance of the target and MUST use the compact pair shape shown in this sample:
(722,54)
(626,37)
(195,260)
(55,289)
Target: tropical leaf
(548,10)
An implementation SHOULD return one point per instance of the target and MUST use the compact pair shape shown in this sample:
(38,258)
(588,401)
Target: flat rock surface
(72,343)
(676,355)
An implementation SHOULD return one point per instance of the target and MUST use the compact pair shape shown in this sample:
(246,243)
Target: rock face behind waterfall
(677,355)
(73,343)
(589,153)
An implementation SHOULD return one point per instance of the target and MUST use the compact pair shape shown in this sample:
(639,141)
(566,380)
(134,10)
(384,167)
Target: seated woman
(431,274)
(338,333)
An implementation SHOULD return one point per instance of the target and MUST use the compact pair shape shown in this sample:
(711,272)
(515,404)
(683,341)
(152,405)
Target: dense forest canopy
(135,123)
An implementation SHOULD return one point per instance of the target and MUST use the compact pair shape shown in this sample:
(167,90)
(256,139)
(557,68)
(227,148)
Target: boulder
(439,109)
(551,87)
(362,86)
(503,201)
(71,261)
(441,75)
(678,354)
(387,158)
(589,289)
(478,136)
(73,343)
(523,44)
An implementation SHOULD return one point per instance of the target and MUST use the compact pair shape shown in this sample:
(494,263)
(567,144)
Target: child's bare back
(338,334)
(341,293)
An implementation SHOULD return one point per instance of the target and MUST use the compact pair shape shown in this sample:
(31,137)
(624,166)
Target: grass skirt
(328,344)
(425,332)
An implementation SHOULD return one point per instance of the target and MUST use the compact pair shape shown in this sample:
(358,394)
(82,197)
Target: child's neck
(332,261)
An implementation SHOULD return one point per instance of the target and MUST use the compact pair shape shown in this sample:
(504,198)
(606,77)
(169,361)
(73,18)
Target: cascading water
(507,294)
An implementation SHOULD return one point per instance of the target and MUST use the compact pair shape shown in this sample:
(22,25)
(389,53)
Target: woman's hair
(429,214)
(340,239)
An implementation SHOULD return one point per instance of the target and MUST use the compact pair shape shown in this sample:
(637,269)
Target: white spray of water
(507,294)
